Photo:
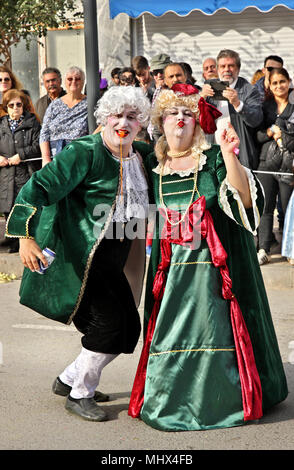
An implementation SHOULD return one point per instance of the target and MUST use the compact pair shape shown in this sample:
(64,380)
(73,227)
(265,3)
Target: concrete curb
(10,263)
(278,274)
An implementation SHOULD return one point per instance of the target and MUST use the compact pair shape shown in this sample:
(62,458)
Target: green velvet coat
(192,380)
(67,206)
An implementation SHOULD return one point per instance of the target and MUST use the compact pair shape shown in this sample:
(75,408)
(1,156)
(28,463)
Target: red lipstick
(122,133)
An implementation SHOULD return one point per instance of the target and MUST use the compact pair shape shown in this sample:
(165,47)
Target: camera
(218,87)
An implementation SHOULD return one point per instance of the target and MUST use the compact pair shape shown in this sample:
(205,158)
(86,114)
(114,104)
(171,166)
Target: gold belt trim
(192,350)
(179,192)
(192,262)
(178,181)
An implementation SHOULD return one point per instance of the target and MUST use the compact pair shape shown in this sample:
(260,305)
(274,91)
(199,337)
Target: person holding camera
(239,103)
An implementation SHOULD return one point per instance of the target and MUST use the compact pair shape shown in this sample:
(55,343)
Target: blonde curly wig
(168,99)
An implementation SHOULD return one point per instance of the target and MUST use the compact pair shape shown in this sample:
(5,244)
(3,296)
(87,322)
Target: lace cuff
(226,189)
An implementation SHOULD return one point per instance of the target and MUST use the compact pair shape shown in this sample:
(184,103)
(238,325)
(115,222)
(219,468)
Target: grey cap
(160,61)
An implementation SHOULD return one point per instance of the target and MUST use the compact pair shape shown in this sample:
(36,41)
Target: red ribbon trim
(183,234)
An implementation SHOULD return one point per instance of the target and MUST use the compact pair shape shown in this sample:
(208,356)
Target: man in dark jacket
(52,82)
(239,104)
(270,62)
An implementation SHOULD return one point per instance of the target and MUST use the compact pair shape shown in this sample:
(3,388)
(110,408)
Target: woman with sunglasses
(66,118)
(7,81)
(277,110)
(19,142)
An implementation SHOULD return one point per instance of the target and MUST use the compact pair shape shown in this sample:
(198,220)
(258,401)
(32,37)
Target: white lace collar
(169,171)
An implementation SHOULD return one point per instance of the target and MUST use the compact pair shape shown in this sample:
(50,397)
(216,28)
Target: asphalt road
(36,350)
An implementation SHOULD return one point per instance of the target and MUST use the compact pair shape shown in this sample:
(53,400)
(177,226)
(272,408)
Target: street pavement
(35,350)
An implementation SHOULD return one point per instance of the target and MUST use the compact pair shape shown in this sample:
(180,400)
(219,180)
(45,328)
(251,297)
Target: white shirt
(222,121)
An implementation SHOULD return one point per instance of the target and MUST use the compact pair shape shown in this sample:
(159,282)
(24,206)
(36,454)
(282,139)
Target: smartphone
(218,87)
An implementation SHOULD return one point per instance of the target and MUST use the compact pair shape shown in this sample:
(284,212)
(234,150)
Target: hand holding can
(50,256)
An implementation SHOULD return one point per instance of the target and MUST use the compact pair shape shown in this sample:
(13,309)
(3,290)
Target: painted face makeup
(179,126)
(178,118)
(124,125)
(121,129)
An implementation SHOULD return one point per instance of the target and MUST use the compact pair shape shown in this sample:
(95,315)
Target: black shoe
(60,388)
(86,408)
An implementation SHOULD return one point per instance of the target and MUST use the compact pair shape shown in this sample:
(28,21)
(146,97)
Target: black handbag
(280,160)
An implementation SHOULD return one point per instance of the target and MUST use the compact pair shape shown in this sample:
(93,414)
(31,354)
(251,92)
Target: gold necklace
(195,189)
(178,154)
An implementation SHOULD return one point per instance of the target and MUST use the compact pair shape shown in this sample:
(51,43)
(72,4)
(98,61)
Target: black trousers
(271,185)
(108,316)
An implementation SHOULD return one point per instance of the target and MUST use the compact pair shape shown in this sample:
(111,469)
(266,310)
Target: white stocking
(68,375)
(84,373)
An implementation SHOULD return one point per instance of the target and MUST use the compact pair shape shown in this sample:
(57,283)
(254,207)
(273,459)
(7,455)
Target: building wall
(64,48)
(114,39)
(191,39)
(25,67)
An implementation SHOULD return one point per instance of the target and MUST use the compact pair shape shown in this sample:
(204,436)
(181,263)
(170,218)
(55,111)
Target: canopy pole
(92,59)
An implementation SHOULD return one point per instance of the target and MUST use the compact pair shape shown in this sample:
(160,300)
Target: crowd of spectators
(261,111)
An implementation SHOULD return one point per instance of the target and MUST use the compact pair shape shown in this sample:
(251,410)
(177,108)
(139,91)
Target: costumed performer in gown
(210,357)
(89,205)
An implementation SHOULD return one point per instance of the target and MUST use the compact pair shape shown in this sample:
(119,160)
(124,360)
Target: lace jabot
(135,201)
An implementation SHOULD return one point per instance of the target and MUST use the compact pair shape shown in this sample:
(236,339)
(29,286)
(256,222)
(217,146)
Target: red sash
(184,234)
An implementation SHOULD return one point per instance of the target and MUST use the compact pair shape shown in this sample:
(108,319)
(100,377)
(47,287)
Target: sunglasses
(12,105)
(127,79)
(157,71)
(5,79)
(269,69)
(73,79)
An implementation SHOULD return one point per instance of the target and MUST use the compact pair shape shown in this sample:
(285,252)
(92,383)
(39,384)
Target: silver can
(50,256)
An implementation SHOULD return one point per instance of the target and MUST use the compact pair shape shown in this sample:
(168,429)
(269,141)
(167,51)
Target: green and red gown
(192,379)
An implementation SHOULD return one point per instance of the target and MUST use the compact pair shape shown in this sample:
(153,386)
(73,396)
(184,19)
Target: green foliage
(30,19)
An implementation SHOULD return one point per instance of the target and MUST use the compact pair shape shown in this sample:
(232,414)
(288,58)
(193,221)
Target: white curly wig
(119,97)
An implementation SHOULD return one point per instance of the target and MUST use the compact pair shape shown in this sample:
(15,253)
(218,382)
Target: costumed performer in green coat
(89,205)
(210,357)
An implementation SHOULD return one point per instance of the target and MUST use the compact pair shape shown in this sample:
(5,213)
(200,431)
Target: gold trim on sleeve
(27,235)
